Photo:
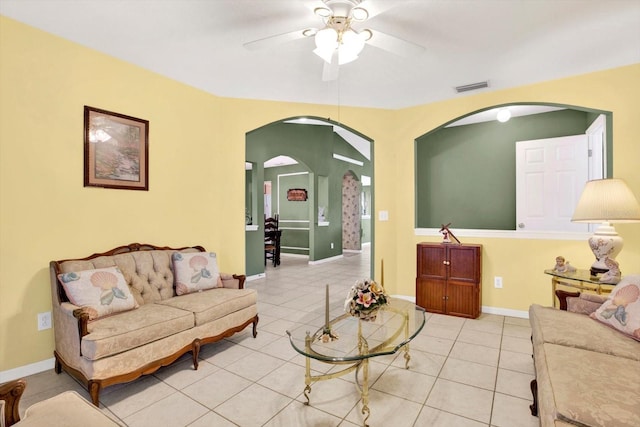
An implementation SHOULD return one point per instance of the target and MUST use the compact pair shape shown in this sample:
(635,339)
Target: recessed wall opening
(469,172)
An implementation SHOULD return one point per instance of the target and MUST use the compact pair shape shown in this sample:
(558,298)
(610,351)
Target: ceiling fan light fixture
(325,54)
(351,46)
(323,12)
(326,43)
(346,56)
(359,14)
(309,32)
(327,38)
(365,34)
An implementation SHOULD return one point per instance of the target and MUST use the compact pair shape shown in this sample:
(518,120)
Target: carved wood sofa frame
(11,393)
(94,386)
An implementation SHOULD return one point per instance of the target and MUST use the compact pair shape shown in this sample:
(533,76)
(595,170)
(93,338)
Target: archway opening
(323,151)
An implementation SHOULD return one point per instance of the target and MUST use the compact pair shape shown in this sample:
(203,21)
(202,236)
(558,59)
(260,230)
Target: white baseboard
(256,277)
(485,309)
(25,371)
(505,312)
(288,255)
(322,261)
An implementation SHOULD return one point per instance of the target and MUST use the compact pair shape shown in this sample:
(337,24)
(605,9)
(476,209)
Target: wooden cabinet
(449,279)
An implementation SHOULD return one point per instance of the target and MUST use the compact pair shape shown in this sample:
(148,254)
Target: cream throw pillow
(622,309)
(195,272)
(103,291)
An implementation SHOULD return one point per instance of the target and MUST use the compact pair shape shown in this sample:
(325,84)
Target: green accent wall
(313,147)
(466,175)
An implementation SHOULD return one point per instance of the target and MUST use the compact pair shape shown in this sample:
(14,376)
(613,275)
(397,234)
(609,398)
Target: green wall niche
(466,175)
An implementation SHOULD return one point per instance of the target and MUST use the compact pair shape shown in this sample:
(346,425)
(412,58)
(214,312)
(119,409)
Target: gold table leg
(307,372)
(407,356)
(364,390)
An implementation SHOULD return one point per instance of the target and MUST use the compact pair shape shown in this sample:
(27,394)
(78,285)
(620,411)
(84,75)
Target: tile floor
(463,372)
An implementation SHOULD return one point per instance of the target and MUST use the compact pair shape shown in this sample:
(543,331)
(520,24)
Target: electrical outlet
(497,282)
(44,321)
(331,245)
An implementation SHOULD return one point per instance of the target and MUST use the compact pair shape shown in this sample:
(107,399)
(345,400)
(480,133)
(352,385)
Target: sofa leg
(94,390)
(57,367)
(255,326)
(534,392)
(195,352)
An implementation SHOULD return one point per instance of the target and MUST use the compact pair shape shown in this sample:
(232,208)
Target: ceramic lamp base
(604,243)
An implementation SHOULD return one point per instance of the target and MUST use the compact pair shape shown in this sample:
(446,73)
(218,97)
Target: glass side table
(396,324)
(579,279)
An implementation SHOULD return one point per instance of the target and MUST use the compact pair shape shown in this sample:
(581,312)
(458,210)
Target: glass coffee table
(396,324)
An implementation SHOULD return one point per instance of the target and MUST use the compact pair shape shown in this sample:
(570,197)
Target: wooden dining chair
(272,235)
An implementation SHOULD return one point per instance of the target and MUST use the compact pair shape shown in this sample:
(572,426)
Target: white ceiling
(200,42)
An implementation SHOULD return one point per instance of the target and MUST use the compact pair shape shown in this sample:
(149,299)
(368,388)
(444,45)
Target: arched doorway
(328,150)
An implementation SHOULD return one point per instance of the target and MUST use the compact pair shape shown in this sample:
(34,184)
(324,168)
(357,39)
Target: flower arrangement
(365,299)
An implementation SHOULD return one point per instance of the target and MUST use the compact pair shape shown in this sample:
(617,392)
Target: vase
(368,315)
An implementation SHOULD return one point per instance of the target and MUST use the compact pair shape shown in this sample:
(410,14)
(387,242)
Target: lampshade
(606,201)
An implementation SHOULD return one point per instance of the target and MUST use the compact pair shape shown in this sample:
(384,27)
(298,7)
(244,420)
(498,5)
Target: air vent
(472,86)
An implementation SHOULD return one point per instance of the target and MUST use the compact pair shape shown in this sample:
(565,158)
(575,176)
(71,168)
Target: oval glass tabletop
(351,339)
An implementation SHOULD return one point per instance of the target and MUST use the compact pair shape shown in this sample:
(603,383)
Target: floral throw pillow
(622,309)
(103,291)
(195,272)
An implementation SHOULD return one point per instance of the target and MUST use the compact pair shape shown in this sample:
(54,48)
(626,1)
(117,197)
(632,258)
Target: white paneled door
(550,176)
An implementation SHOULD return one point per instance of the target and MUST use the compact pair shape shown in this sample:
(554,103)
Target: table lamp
(606,201)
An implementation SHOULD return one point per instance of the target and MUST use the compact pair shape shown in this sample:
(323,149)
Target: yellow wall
(196,174)
(520,261)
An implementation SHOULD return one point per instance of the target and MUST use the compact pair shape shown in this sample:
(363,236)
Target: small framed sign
(297,195)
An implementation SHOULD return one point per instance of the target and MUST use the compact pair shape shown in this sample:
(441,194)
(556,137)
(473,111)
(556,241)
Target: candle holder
(327,334)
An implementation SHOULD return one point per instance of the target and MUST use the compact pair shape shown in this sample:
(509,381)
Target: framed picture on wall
(116,150)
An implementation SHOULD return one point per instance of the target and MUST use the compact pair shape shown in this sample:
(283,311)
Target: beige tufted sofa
(587,373)
(123,346)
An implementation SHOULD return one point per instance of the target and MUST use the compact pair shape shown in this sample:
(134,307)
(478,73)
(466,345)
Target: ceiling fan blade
(394,44)
(273,41)
(330,70)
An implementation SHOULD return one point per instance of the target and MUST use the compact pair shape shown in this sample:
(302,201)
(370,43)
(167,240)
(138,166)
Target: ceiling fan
(338,42)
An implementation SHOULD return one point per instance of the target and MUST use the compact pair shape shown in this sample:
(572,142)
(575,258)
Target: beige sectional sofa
(587,373)
(158,326)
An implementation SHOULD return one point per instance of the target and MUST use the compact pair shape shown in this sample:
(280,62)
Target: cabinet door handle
(446,262)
